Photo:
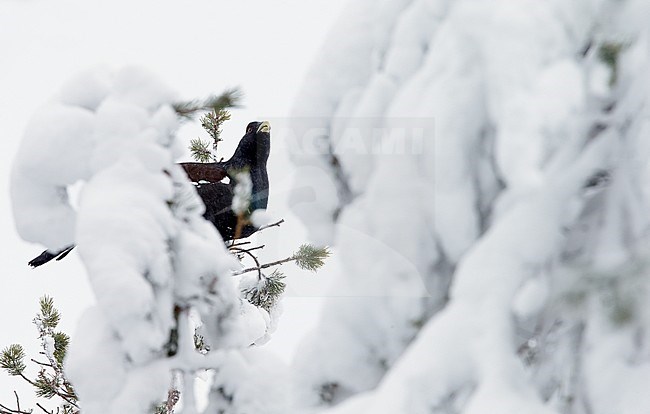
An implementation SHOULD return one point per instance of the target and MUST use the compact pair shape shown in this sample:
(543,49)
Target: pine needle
(201,150)
(311,258)
(212,123)
(49,315)
(228,99)
(268,291)
(61,342)
(12,359)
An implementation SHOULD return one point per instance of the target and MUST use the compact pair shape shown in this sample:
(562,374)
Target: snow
(125,193)
(42,211)
(88,37)
(443,148)
(314,194)
(140,235)
(613,352)
(341,69)
(247,373)
(261,218)
(86,89)
(531,298)
(108,372)
(485,283)
(442,246)
(242,194)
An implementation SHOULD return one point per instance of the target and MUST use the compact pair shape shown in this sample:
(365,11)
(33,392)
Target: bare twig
(43,408)
(264,266)
(41,363)
(244,250)
(67,398)
(271,225)
(28,380)
(6,410)
(252,249)
(252,256)
(241,222)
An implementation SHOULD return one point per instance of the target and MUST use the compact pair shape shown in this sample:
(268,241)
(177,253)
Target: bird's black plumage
(47,255)
(251,155)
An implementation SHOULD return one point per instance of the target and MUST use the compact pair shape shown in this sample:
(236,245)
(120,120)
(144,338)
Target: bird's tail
(47,255)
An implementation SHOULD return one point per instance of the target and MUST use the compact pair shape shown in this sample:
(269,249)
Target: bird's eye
(249,130)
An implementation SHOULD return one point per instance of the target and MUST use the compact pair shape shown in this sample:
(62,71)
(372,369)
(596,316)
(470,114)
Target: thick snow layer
(108,372)
(253,382)
(42,211)
(261,218)
(140,234)
(486,282)
(76,127)
(111,131)
(481,219)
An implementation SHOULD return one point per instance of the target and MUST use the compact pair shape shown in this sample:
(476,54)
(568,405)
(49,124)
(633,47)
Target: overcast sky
(198,47)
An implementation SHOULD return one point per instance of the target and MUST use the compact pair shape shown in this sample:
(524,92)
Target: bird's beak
(264,127)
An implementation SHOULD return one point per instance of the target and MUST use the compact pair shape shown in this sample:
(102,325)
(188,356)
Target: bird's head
(255,145)
(259,127)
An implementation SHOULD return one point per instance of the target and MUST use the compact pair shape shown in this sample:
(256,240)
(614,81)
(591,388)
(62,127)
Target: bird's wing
(212,172)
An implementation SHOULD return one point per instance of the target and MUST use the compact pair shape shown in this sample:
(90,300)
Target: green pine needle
(50,380)
(268,291)
(201,150)
(61,342)
(68,409)
(228,99)
(12,359)
(212,123)
(49,316)
(311,258)
(44,386)
(609,53)
(199,343)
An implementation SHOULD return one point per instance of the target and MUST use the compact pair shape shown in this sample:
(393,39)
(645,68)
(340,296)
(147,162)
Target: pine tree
(263,291)
(168,303)
(504,266)
(268,289)
(50,382)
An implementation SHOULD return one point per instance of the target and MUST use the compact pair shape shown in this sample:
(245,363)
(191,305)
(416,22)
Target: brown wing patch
(196,171)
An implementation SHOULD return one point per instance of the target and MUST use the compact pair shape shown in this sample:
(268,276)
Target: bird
(251,155)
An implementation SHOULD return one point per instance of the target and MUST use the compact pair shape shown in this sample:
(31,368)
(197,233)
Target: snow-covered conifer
(498,264)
